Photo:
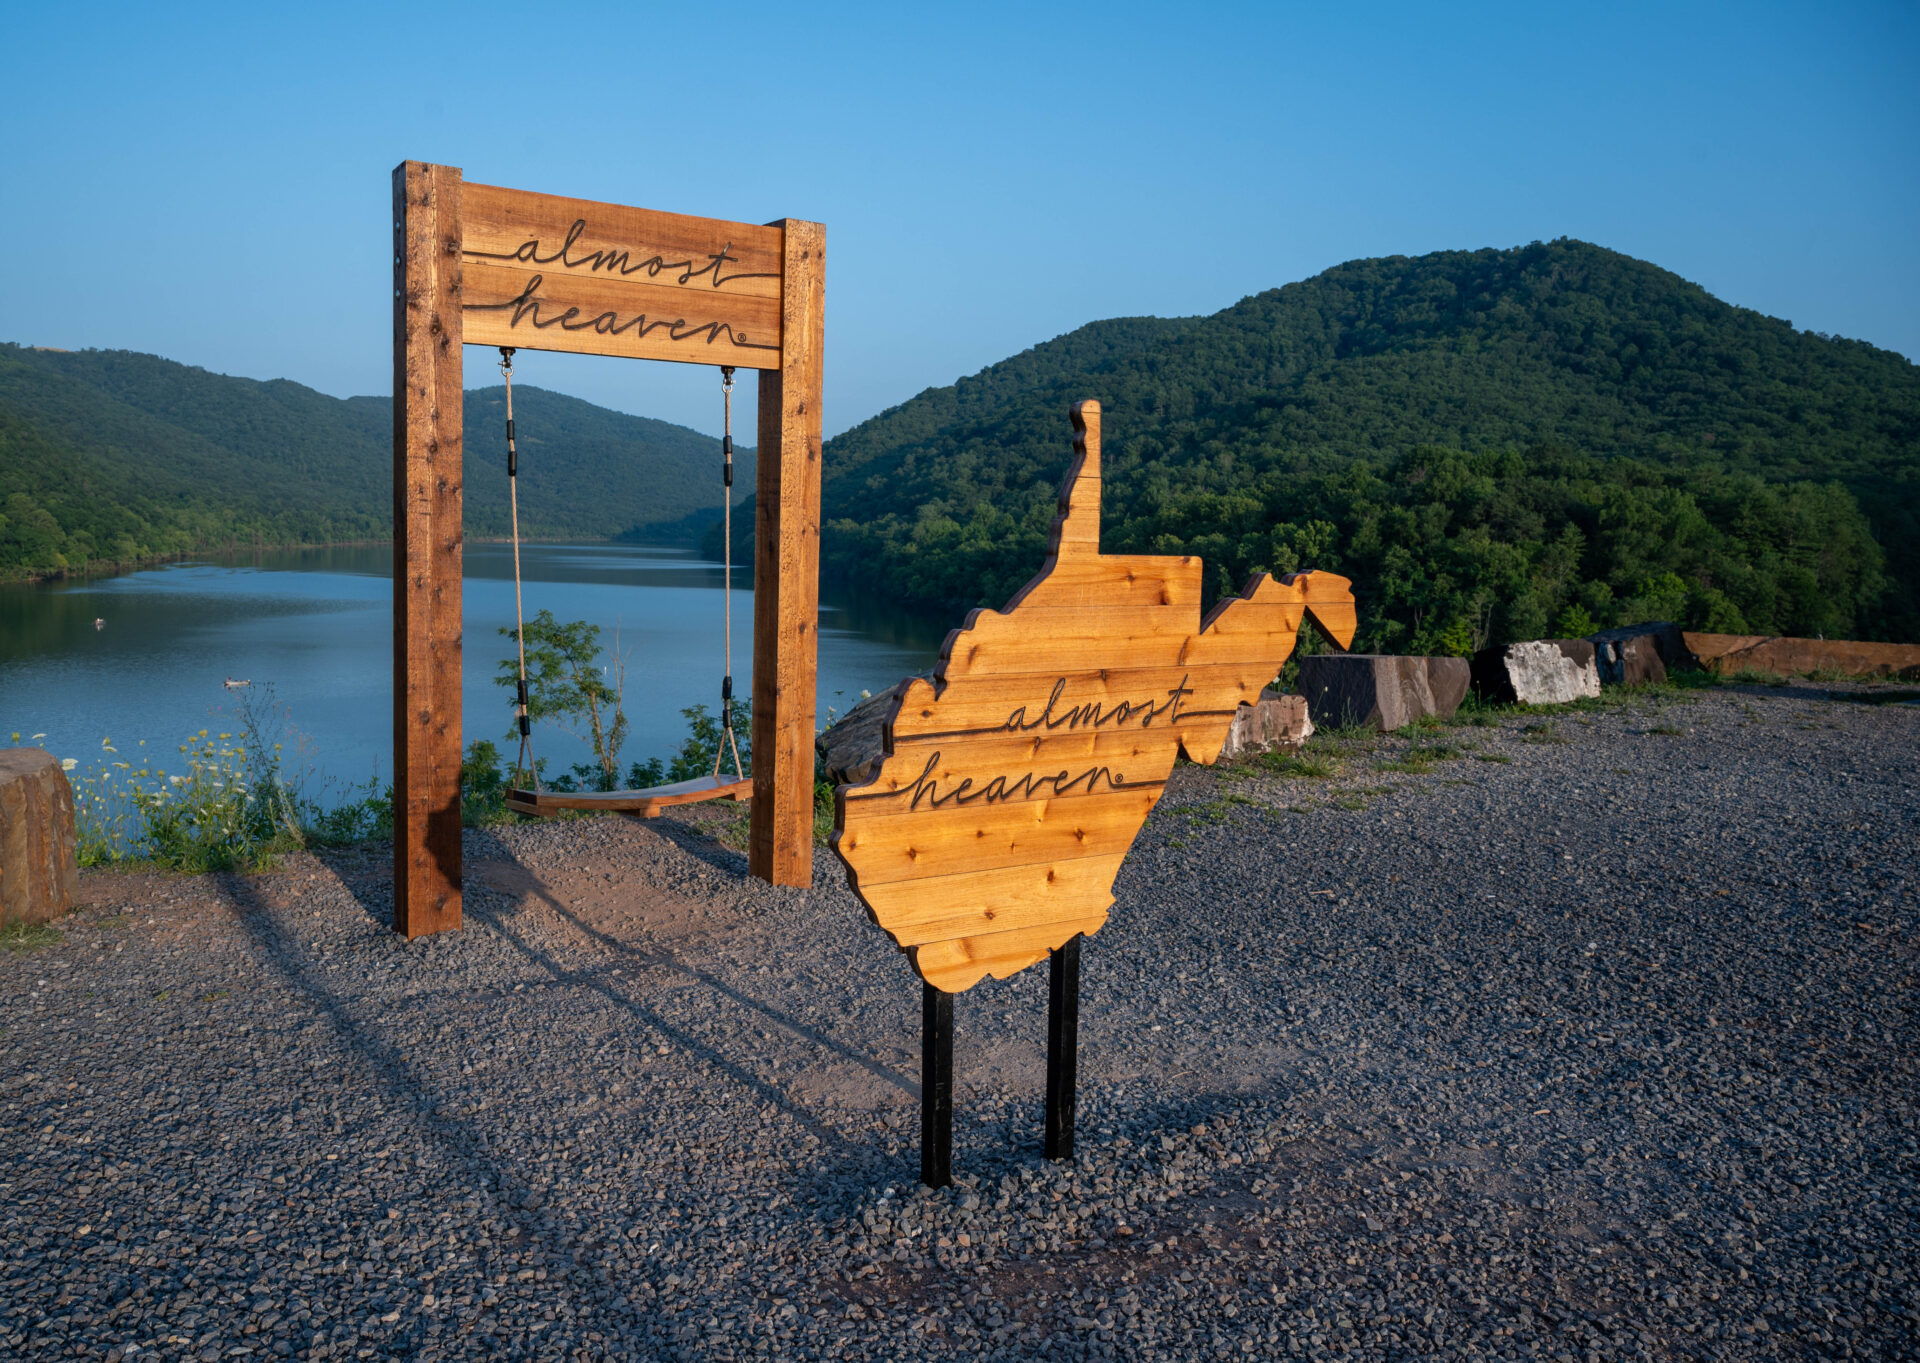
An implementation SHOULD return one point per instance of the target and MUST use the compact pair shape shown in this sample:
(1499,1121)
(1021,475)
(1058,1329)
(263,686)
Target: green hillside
(1492,443)
(116,457)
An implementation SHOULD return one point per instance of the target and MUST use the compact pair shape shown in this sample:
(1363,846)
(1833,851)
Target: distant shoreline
(98,568)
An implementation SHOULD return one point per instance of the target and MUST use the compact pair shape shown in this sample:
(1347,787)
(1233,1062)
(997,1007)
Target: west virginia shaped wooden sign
(1015,782)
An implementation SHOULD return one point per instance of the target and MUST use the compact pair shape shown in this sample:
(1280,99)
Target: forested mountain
(1493,444)
(115,457)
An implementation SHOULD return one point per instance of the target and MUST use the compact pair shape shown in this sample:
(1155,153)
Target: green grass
(1668,729)
(1302,766)
(1216,811)
(1543,732)
(1359,798)
(1423,757)
(230,804)
(734,824)
(1835,674)
(823,815)
(1475,713)
(1344,736)
(24,937)
(1752,676)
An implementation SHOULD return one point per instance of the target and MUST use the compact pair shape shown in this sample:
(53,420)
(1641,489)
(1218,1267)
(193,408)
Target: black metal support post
(936,1087)
(1063,1045)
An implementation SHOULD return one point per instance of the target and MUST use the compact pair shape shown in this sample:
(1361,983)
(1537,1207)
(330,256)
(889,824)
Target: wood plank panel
(963,961)
(888,847)
(1008,651)
(1015,781)
(1028,895)
(990,703)
(426,547)
(786,571)
(582,236)
(1122,580)
(590,314)
(1005,768)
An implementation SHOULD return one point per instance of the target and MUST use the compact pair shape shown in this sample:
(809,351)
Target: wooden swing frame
(480,265)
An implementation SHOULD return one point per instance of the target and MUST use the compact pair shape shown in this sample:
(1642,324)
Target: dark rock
(1276,723)
(1536,672)
(845,753)
(1379,690)
(1668,641)
(39,850)
(1630,661)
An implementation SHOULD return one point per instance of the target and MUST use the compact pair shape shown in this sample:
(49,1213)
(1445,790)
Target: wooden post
(1063,1045)
(786,571)
(936,1087)
(426,547)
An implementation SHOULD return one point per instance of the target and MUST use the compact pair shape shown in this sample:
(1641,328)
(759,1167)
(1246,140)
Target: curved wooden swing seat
(645,804)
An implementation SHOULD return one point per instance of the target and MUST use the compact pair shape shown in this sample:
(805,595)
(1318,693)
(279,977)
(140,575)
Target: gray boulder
(1275,723)
(1579,652)
(1537,672)
(1380,690)
(1449,679)
(39,849)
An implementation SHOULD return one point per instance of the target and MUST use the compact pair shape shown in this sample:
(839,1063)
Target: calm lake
(316,626)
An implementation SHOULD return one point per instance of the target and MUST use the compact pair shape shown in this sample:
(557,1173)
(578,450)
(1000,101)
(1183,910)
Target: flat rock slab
(1727,653)
(1380,690)
(1275,723)
(844,753)
(1537,672)
(39,851)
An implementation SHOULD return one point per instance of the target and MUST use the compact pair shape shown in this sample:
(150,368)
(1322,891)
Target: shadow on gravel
(370,882)
(365,874)
(489,911)
(464,1143)
(701,846)
(1814,691)
(665,960)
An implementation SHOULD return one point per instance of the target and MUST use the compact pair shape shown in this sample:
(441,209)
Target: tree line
(1493,443)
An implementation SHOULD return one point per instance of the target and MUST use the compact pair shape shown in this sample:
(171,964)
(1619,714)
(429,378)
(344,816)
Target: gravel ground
(1589,1037)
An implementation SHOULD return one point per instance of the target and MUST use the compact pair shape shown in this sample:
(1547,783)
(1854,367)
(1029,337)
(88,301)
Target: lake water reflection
(316,624)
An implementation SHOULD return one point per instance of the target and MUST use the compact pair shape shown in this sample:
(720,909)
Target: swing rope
(524,763)
(726,585)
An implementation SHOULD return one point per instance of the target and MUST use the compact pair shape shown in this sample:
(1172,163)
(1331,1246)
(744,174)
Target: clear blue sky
(211,183)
